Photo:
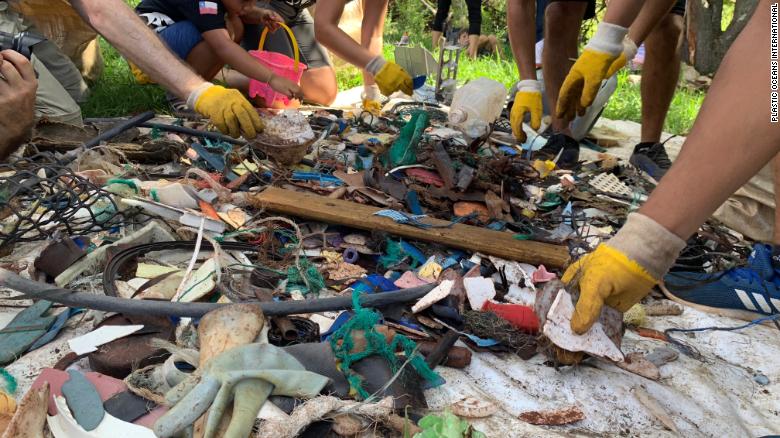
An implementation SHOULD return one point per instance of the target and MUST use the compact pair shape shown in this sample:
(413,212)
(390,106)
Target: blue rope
(692,352)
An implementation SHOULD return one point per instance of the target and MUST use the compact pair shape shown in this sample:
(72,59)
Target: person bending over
(319,79)
(379,75)
(198,33)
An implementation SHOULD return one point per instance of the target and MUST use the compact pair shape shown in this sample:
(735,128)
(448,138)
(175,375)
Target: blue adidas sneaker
(744,293)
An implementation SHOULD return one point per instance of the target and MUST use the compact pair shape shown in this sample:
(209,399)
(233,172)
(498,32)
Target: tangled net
(39,197)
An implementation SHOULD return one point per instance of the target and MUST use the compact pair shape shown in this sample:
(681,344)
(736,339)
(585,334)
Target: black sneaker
(651,158)
(562,149)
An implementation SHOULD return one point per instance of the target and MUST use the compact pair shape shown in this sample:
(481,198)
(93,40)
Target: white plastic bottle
(476,105)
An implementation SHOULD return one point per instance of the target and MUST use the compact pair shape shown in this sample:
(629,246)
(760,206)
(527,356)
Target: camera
(22,42)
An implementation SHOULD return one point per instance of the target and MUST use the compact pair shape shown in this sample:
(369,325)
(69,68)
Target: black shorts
(313,54)
(679,8)
(590,10)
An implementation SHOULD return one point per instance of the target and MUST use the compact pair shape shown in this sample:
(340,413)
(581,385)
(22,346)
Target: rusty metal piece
(285,327)
(118,358)
(557,417)
(455,357)
(441,348)
(465,177)
(443,164)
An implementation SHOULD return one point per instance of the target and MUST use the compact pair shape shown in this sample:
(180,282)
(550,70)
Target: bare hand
(253,15)
(286,87)
(17,100)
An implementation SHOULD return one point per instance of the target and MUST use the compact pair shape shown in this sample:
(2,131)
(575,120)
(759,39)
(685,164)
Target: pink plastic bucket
(281,65)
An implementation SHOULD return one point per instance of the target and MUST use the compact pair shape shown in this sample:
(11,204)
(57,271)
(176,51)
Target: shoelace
(657,153)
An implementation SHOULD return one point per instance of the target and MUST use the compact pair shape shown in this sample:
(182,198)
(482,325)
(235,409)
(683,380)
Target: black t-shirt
(205,15)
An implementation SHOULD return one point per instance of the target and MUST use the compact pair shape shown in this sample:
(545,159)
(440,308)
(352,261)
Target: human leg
(660,74)
(474,8)
(561,30)
(437,25)
(52,101)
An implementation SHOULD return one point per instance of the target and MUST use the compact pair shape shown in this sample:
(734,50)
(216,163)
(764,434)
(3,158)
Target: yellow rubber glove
(581,85)
(606,276)
(528,100)
(140,77)
(372,106)
(389,76)
(629,52)
(624,270)
(228,109)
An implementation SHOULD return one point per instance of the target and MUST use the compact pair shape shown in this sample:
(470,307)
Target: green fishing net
(404,149)
(295,278)
(365,320)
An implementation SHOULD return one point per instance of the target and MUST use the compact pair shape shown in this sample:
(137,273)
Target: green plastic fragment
(365,320)
(446,425)
(8,383)
(404,149)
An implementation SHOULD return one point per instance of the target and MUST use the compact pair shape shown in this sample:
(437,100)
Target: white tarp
(720,397)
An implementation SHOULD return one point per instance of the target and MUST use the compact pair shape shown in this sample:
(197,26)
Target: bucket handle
(294,42)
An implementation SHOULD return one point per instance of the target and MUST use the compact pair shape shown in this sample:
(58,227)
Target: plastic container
(582,125)
(476,105)
(281,65)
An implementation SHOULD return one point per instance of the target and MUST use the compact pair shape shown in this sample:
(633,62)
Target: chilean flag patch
(208,8)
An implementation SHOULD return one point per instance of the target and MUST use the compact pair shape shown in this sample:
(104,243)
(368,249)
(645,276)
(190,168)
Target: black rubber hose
(118,261)
(195,132)
(36,290)
(119,128)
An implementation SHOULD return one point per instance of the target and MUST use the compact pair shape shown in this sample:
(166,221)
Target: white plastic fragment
(436,294)
(521,295)
(63,425)
(558,330)
(479,290)
(89,342)
(471,407)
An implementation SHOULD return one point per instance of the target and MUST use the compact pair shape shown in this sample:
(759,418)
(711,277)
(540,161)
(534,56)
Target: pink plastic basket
(281,65)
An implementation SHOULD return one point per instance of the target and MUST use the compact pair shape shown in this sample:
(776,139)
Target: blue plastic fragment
(340,320)
(413,252)
(418,81)
(566,214)
(350,255)
(481,342)
(497,225)
(215,161)
(413,202)
(508,150)
(83,400)
(374,283)
(323,179)
(55,328)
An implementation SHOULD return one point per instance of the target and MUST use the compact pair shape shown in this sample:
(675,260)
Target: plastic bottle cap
(458,116)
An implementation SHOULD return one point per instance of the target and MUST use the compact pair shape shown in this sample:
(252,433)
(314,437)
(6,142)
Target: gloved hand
(622,271)
(527,100)
(389,76)
(228,109)
(581,85)
(245,375)
(629,52)
(372,106)
(141,78)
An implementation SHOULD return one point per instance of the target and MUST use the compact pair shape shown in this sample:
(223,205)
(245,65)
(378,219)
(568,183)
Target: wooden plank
(465,237)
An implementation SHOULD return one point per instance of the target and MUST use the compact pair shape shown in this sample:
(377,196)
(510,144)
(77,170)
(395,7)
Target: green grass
(117,94)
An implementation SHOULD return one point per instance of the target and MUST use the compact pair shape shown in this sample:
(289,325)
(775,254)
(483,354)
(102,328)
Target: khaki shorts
(60,85)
